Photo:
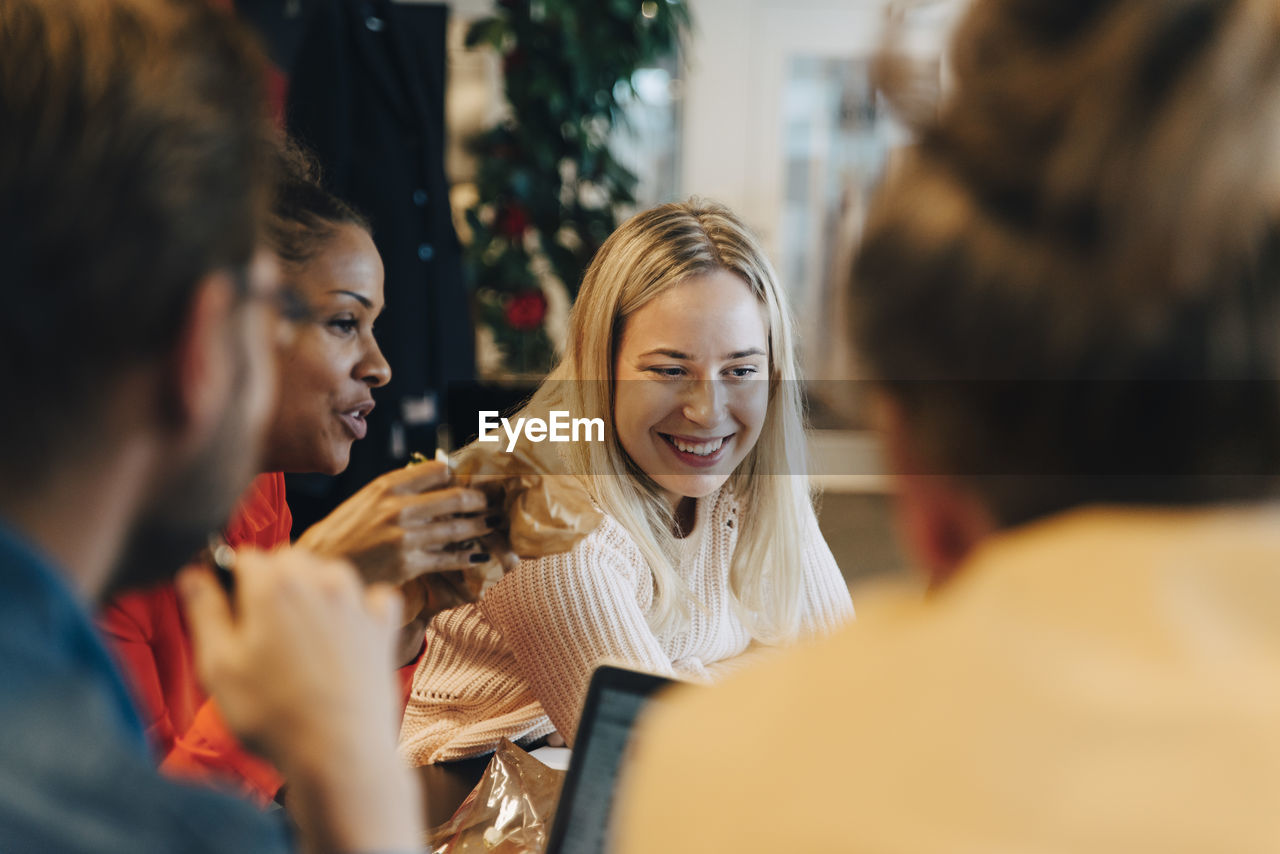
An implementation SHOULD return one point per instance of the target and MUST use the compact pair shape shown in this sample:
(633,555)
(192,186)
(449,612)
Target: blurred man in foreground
(136,343)
(1069,297)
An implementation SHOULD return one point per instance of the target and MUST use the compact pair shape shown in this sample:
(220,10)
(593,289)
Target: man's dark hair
(134,160)
(1071,285)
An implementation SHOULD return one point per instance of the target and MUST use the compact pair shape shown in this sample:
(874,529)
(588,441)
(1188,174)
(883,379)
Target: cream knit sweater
(517,664)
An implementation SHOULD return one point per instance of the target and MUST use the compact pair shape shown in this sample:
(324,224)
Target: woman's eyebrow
(364,301)
(673,354)
(676,354)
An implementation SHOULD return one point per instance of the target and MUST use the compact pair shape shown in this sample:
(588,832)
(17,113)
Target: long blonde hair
(649,254)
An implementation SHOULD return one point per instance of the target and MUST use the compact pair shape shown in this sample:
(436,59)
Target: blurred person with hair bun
(1068,297)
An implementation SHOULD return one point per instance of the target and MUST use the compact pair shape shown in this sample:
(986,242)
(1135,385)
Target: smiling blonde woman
(681,341)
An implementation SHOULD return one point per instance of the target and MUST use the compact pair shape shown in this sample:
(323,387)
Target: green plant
(550,191)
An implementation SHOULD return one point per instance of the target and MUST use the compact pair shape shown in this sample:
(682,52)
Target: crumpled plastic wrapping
(543,513)
(508,812)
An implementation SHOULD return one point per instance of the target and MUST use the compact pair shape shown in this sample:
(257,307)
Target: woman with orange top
(400,526)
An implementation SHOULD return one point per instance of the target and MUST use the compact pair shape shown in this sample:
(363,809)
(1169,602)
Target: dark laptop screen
(614,701)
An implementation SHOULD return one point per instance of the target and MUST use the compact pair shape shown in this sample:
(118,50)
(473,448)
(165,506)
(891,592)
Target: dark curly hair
(303,213)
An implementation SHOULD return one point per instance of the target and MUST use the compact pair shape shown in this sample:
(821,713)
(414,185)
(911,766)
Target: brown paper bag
(544,513)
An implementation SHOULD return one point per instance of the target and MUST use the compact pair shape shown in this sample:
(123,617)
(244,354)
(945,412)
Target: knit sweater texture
(516,665)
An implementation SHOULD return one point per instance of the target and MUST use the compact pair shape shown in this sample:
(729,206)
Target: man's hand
(300,667)
(405,523)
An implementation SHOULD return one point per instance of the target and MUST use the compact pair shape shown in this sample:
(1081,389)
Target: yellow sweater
(1105,681)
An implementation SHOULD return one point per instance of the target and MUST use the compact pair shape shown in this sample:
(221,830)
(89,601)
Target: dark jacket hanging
(367,95)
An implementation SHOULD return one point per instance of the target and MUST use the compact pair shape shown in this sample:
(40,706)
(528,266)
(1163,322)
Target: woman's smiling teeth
(701,449)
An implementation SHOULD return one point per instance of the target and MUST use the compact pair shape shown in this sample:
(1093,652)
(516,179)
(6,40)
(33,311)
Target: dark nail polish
(479,557)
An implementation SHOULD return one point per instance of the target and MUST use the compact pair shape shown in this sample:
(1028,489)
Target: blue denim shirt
(75,771)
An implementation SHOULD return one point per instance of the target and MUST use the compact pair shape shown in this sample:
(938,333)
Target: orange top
(148,635)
